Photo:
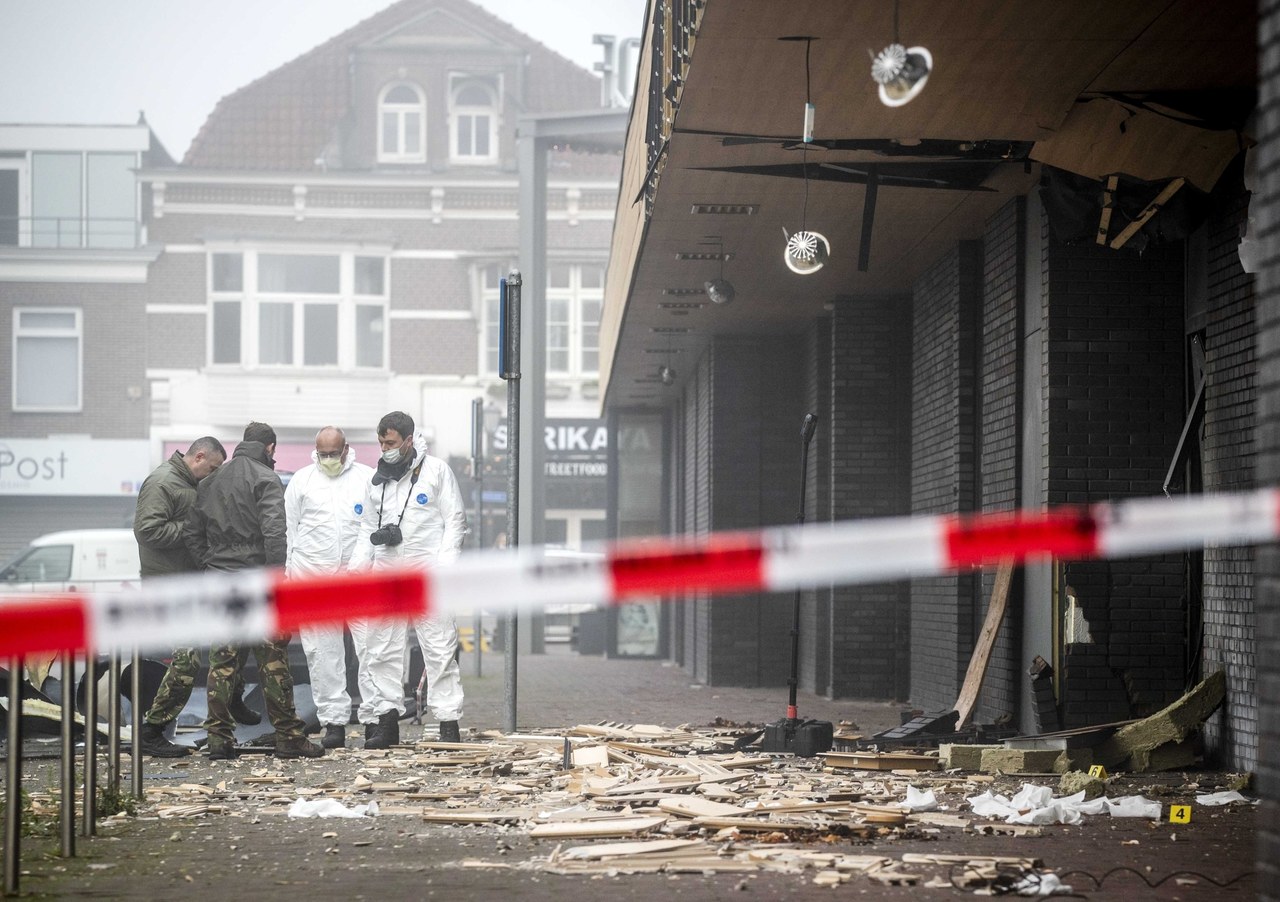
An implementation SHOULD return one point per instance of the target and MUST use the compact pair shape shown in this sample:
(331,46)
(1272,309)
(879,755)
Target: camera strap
(413,479)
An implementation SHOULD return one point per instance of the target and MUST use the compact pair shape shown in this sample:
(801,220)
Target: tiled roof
(284,120)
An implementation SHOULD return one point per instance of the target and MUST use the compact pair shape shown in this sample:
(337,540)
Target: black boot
(335,737)
(385,733)
(297,747)
(243,713)
(449,731)
(222,751)
(153,742)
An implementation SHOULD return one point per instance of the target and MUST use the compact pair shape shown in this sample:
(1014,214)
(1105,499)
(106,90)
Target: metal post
(135,724)
(13,781)
(511,372)
(90,812)
(113,722)
(477,471)
(67,801)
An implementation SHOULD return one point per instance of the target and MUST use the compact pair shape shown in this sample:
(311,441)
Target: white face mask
(391,455)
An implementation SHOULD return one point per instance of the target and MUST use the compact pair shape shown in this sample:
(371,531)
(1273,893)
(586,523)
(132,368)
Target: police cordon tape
(249,606)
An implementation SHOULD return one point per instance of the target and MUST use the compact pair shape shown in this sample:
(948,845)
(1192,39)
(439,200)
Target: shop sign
(73,466)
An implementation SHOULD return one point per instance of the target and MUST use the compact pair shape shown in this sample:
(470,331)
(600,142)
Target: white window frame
(76,332)
(346,300)
(398,154)
(457,84)
(576,296)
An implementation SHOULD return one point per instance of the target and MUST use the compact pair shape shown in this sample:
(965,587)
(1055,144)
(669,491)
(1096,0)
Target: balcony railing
(69,232)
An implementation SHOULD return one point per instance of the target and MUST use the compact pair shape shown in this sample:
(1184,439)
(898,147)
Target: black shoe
(153,742)
(449,731)
(222,751)
(385,733)
(335,737)
(243,713)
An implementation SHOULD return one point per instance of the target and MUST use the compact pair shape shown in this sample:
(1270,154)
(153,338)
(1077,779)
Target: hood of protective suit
(323,516)
(428,509)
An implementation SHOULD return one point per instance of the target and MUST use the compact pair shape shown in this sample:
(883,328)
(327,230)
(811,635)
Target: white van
(75,559)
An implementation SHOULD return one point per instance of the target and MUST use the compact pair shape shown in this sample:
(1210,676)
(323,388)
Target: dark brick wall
(754,481)
(1001,400)
(1228,612)
(1268,438)
(1114,326)
(944,430)
(870,472)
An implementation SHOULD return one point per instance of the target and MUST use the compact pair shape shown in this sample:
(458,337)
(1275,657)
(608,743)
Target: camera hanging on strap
(390,535)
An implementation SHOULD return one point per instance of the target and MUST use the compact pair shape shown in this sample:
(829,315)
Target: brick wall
(754,481)
(1268,436)
(113,360)
(946,304)
(870,469)
(1228,610)
(1114,327)
(1001,409)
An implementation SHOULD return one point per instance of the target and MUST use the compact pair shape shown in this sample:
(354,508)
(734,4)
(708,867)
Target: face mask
(391,455)
(330,466)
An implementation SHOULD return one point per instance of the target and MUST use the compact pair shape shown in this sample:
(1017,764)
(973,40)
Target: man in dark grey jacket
(164,501)
(238,523)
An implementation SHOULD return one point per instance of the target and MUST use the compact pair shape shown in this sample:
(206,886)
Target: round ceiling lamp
(806,252)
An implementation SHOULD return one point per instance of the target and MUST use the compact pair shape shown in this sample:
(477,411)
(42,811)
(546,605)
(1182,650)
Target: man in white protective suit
(323,505)
(413,516)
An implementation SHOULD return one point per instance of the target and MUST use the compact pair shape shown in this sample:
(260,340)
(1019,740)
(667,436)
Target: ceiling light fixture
(806,251)
(719,289)
(900,71)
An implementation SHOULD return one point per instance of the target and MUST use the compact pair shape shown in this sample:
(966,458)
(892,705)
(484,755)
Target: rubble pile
(612,799)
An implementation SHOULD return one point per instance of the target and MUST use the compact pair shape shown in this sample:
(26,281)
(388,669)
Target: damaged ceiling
(1153,92)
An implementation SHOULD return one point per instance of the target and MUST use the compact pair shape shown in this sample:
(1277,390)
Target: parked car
(74,559)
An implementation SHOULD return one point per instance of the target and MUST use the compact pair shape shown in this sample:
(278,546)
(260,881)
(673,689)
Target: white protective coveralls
(434,525)
(322,519)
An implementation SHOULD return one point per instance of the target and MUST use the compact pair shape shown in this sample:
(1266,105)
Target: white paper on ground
(1036,805)
(330,808)
(919,801)
(1223,798)
(1041,885)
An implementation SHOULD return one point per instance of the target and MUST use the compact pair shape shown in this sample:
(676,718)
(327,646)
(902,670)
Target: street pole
(477,472)
(510,371)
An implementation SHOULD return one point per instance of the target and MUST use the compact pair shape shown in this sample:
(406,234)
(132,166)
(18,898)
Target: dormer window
(473,120)
(402,124)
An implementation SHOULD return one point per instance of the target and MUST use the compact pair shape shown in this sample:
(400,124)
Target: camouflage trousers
(179,678)
(225,662)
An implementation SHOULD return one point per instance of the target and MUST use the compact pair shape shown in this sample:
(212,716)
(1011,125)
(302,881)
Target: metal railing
(70,665)
(70,232)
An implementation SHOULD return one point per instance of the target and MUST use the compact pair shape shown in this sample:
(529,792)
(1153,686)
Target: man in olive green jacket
(165,499)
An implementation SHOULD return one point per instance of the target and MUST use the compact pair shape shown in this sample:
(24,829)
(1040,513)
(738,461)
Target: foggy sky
(102,61)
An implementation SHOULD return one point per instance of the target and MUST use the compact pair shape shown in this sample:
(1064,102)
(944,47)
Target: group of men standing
(200,511)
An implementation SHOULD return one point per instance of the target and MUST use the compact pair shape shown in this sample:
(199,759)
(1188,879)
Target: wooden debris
(623,826)
(880,761)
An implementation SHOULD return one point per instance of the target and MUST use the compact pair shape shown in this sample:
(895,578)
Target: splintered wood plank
(978,661)
(476,816)
(600,851)
(695,806)
(626,826)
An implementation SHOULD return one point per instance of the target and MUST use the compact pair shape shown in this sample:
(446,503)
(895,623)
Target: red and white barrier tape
(212,608)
